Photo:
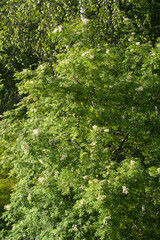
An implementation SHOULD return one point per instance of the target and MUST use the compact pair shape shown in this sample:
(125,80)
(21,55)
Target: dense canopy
(79,129)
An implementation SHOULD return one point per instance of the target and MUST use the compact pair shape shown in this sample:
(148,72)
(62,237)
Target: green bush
(84,144)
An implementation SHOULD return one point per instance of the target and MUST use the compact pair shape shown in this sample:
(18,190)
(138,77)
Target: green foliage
(81,133)
(84,143)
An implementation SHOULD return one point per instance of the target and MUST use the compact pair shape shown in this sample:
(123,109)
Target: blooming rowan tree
(83,147)
(83,141)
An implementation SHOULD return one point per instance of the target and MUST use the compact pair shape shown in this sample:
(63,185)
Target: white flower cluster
(24,149)
(106,130)
(85,177)
(132,163)
(66,61)
(140,89)
(125,20)
(7,207)
(85,21)
(83,54)
(58,29)
(87,53)
(41,180)
(158,170)
(93,144)
(107,51)
(130,39)
(75,228)
(36,132)
(124,189)
(101,197)
(29,197)
(40,160)
(143,208)
(42,67)
(156,110)
(95,127)
(129,77)
(63,157)
(91,56)
(81,187)
(78,44)
(133,108)
(81,204)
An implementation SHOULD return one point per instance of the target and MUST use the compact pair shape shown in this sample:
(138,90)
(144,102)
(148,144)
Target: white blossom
(91,56)
(58,29)
(85,177)
(41,180)
(29,197)
(56,174)
(42,67)
(95,180)
(158,170)
(24,149)
(107,51)
(129,77)
(137,43)
(143,208)
(110,86)
(106,130)
(75,228)
(40,160)
(64,156)
(78,44)
(55,30)
(125,189)
(140,89)
(123,117)
(81,203)
(156,109)
(7,207)
(83,54)
(66,61)
(36,132)
(133,108)
(95,127)
(85,21)
(93,144)
(101,198)
(130,39)
(126,20)
(132,162)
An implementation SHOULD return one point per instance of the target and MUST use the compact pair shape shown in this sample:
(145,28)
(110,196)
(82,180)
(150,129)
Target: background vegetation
(79,104)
